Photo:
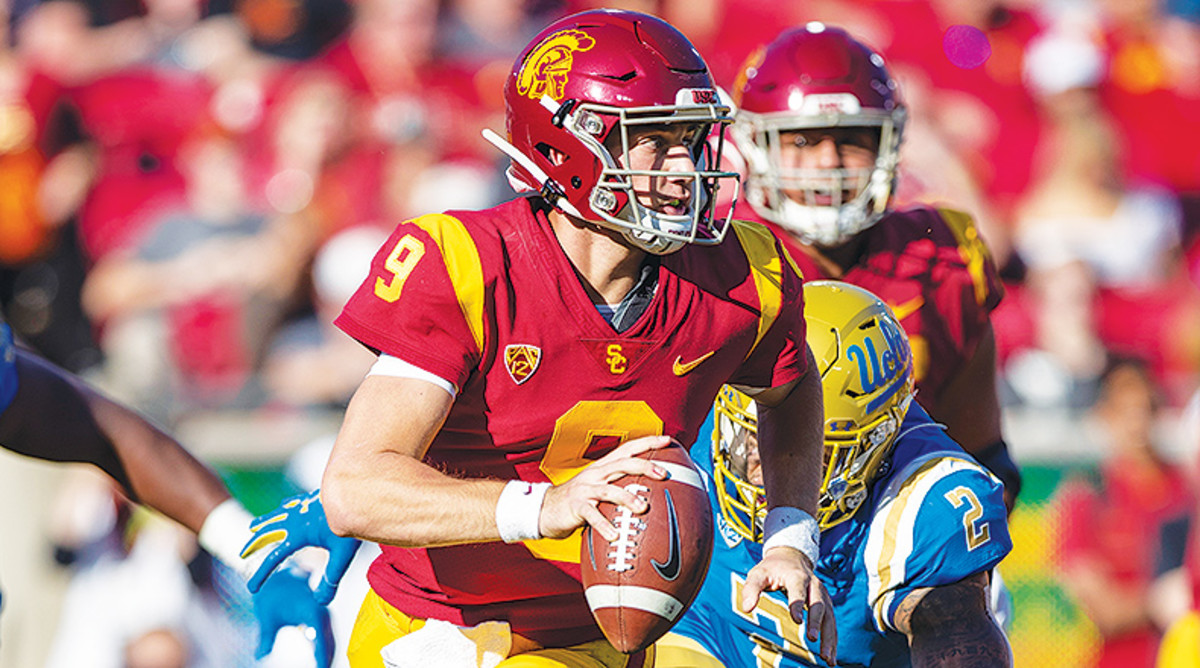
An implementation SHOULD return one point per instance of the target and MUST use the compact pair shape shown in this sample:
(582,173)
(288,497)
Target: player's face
(745,459)
(666,148)
(836,151)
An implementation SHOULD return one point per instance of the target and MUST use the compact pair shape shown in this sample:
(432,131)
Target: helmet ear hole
(555,156)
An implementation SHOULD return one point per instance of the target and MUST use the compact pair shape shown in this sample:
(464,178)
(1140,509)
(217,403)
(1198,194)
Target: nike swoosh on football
(908,308)
(680,368)
(669,570)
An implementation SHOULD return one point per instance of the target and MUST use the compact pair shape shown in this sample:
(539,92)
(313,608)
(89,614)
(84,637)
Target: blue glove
(285,600)
(297,523)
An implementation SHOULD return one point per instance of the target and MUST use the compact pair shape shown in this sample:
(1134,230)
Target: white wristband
(518,510)
(786,526)
(225,531)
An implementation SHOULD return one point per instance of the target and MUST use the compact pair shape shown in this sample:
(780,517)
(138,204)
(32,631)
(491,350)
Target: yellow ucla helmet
(866,369)
(735,442)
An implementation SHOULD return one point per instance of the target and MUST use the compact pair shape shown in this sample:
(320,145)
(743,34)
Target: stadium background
(955,60)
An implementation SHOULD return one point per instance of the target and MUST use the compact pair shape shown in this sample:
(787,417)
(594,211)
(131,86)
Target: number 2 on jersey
(400,262)
(977,534)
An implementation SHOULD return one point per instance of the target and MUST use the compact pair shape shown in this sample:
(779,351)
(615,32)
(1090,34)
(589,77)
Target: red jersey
(933,269)
(488,301)
(1115,525)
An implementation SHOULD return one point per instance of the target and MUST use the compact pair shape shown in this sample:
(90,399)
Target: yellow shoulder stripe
(767,270)
(971,247)
(461,258)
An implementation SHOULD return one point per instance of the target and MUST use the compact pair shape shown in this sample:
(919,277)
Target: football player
(529,352)
(911,525)
(819,123)
(49,414)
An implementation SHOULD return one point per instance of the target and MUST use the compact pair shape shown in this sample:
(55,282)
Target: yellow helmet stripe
(767,271)
(461,258)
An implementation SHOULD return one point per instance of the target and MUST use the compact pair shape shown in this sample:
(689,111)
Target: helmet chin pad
(657,232)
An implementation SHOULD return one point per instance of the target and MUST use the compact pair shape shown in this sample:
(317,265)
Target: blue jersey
(8,366)
(933,517)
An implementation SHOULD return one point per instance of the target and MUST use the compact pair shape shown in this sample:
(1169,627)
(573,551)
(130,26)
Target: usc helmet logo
(546,69)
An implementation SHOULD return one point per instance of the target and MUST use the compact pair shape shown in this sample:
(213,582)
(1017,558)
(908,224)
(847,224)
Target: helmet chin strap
(548,189)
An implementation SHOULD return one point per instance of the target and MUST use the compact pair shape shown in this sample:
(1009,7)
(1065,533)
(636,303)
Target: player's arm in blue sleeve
(933,544)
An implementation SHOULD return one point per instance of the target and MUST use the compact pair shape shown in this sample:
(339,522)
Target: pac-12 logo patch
(548,66)
(521,360)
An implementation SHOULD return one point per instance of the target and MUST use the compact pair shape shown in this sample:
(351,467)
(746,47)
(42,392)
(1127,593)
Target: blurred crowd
(189,189)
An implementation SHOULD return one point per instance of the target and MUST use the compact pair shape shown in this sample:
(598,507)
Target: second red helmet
(810,78)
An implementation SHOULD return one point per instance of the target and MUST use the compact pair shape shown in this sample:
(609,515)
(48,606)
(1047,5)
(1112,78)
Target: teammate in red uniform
(819,121)
(529,351)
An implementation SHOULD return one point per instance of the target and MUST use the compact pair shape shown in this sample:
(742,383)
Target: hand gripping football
(639,585)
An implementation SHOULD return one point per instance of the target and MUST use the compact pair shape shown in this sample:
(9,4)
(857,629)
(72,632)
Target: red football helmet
(817,77)
(572,98)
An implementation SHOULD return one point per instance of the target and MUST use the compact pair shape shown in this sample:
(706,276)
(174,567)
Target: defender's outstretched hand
(788,569)
(297,523)
(285,600)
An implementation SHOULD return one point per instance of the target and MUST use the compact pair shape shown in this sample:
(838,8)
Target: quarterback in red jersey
(819,121)
(529,351)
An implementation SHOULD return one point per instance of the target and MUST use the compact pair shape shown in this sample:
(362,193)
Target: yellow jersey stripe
(461,258)
(971,248)
(767,270)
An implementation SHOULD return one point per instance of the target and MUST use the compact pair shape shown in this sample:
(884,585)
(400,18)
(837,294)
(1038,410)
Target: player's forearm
(58,417)
(398,500)
(791,443)
(376,486)
(951,627)
(969,405)
(161,473)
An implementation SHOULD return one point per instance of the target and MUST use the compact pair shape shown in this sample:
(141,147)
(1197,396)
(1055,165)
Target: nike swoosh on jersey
(669,570)
(681,368)
(908,308)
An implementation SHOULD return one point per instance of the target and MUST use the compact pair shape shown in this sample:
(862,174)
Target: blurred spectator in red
(188,306)
(355,129)
(1177,587)
(1109,527)
(44,180)
(1103,251)
(27,98)
(1153,87)
(310,362)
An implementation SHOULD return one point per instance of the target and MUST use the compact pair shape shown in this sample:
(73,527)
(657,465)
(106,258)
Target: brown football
(639,585)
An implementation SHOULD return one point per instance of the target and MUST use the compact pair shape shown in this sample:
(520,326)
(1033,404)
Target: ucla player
(49,414)
(910,524)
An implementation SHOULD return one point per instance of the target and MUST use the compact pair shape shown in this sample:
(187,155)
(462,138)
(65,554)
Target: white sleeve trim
(395,367)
